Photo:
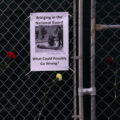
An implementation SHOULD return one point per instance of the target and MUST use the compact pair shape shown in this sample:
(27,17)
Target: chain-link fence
(21,94)
(107,45)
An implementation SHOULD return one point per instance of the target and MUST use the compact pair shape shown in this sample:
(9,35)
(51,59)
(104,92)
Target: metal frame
(92,90)
(74,60)
(92,58)
(80,39)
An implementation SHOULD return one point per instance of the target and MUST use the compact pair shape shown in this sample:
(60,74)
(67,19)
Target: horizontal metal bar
(89,91)
(103,27)
(75,116)
(76,57)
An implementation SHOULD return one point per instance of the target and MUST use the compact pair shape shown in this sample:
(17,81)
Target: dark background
(107,45)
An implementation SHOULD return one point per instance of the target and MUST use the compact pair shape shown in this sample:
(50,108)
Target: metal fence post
(93,59)
(74,60)
(80,38)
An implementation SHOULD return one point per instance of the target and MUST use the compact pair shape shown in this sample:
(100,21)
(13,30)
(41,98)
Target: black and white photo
(48,38)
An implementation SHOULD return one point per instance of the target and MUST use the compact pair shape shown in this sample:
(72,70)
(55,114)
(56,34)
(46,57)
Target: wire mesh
(107,45)
(21,94)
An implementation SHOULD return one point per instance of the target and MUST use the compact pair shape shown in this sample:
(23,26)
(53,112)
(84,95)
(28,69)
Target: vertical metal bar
(74,60)
(93,58)
(80,37)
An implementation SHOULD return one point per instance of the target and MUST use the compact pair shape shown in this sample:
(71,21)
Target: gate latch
(91,91)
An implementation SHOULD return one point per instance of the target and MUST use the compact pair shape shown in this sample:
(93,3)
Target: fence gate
(21,91)
(107,45)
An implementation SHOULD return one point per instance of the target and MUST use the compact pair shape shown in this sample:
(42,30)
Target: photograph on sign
(48,38)
(49,41)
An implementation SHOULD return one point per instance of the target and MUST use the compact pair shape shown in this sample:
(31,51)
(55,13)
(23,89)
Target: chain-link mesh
(107,45)
(21,94)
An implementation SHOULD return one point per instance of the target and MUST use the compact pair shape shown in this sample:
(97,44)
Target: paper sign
(49,41)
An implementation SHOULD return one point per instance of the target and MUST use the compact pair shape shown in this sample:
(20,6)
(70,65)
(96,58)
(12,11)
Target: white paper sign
(49,41)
